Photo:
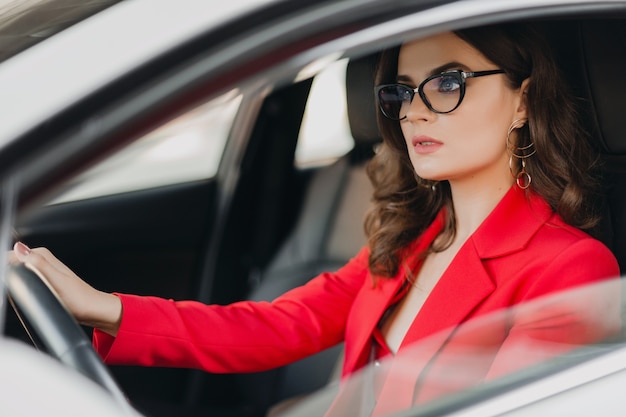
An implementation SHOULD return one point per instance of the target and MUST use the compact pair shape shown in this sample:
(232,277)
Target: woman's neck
(473,203)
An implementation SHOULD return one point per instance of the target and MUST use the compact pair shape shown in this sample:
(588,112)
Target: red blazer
(521,251)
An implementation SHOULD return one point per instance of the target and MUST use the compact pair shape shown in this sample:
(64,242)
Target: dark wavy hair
(404,205)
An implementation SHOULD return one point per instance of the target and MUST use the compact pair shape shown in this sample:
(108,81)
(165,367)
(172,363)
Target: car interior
(285,224)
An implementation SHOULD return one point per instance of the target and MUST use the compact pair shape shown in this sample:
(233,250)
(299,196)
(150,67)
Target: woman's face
(468,144)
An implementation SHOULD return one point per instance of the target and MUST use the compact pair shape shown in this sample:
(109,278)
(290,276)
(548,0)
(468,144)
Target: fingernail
(21,249)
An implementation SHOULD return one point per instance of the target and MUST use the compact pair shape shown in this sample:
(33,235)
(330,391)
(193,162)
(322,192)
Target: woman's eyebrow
(404,79)
(448,66)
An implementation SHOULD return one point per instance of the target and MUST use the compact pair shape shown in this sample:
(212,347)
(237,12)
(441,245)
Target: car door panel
(147,242)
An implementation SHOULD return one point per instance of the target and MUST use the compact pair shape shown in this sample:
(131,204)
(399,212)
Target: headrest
(360,101)
(604,49)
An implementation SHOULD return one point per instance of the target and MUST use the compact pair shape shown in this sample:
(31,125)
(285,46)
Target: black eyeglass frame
(459,75)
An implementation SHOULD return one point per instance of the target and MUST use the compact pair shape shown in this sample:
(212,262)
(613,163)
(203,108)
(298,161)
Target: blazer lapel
(450,303)
(460,289)
(373,300)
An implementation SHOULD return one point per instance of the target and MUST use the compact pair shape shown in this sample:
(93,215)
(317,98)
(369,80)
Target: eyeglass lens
(440,94)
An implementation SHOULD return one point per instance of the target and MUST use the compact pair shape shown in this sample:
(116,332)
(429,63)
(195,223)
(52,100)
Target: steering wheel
(57,329)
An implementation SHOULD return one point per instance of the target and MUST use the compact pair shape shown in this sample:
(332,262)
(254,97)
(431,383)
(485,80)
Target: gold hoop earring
(518,123)
(522,178)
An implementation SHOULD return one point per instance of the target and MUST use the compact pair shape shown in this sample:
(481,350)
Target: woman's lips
(425,144)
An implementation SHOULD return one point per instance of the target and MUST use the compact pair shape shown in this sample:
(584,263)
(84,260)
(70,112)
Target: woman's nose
(418,110)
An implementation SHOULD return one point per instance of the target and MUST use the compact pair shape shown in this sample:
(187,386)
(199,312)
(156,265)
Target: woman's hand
(89,306)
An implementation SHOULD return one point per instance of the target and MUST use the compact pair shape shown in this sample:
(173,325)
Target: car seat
(604,85)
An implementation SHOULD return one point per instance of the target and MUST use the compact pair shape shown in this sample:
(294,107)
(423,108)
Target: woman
(482,190)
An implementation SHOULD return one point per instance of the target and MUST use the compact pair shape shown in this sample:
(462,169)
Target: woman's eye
(407,94)
(448,85)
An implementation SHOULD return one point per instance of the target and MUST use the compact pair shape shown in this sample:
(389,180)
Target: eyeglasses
(442,93)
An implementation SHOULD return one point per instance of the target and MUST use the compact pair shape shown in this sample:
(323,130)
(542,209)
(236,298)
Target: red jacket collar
(511,224)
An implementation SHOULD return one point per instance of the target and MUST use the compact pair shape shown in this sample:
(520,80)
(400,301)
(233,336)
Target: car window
(325,132)
(187,148)
(190,147)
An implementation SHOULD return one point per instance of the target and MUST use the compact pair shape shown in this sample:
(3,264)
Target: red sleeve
(560,323)
(241,337)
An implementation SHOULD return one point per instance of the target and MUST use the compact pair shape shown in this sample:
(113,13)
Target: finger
(42,259)
(35,260)
(52,261)
(21,251)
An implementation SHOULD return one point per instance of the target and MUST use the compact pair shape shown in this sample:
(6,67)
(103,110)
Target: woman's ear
(521,110)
